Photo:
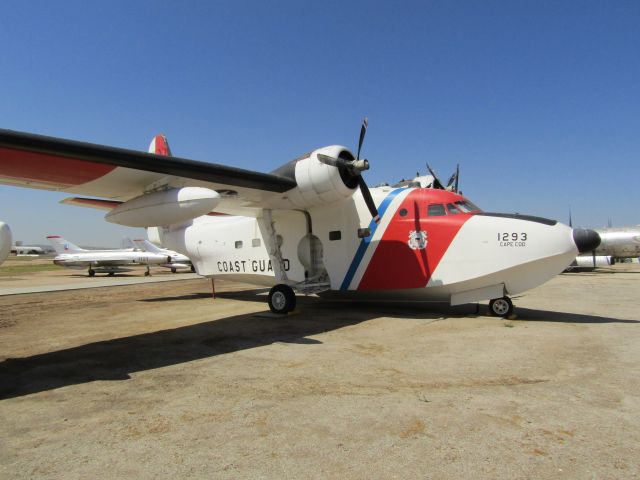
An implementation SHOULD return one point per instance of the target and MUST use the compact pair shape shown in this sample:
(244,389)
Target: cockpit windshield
(467,206)
(455,208)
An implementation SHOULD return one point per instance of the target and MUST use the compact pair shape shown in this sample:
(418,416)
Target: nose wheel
(501,307)
(281,299)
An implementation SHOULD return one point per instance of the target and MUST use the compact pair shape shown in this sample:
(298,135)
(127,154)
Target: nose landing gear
(501,307)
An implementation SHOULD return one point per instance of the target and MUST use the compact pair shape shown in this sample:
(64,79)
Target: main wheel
(91,273)
(173,270)
(281,299)
(501,307)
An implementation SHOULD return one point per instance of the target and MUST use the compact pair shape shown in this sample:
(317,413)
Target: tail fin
(147,246)
(160,145)
(60,245)
(127,243)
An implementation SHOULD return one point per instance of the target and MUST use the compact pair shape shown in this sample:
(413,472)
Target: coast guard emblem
(417,240)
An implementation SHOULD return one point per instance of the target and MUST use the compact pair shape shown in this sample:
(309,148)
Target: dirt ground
(160,381)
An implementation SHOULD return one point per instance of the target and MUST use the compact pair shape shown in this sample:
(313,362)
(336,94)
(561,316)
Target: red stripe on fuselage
(395,265)
(49,169)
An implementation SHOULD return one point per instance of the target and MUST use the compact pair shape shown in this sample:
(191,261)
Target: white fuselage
(108,258)
(458,258)
(619,242)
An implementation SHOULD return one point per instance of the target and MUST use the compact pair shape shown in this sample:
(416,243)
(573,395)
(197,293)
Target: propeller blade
(457,177)
(363,131)
(368,199)
(452,179)
(436,181)
(333,161)
(354,166)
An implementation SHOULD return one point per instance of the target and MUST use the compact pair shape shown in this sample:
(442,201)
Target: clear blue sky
(538,101)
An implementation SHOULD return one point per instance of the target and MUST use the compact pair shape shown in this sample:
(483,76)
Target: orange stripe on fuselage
(394,264)
(49,169)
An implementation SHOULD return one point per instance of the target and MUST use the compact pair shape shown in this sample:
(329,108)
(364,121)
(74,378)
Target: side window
(403,212)
(436,210)
(238,243)
(453,210)
(255,242)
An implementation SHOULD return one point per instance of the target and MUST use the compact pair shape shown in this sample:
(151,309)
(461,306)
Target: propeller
(436,181)
(354,169)
(452,184)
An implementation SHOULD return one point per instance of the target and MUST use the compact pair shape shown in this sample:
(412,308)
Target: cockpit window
(466,206)
(462,206)
(436,210)
(453,210)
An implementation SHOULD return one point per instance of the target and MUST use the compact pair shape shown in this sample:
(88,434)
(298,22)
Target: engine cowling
(318,182)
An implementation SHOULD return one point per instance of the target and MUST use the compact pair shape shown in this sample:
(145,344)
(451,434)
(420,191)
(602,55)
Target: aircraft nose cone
(586,240)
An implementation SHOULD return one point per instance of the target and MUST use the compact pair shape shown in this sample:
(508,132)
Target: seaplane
(311,226)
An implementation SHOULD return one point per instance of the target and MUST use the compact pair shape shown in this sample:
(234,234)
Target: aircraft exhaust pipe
(586,240)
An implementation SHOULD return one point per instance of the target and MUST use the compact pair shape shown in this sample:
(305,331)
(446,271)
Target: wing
(36,161)
(101,204)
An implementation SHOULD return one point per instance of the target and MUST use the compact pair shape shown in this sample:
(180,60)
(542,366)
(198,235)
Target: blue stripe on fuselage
(364,244)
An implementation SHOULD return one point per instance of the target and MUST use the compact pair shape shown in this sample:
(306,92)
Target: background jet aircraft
(178,260)
(102,261)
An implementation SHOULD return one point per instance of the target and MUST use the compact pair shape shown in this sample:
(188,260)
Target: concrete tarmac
(95,282)
(160,381)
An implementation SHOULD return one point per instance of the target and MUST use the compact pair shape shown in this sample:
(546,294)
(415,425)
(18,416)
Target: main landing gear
(501,307)
(281,299)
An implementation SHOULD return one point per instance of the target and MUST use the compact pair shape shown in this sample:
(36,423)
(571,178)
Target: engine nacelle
(167,207)
(319,183)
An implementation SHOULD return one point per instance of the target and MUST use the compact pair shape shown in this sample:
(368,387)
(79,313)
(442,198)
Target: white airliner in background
(311,225)
(178,260)
(102,261)
(617,243)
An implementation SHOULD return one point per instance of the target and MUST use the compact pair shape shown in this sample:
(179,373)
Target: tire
(501,307)
(92,273)
(173,270)
(281,299)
